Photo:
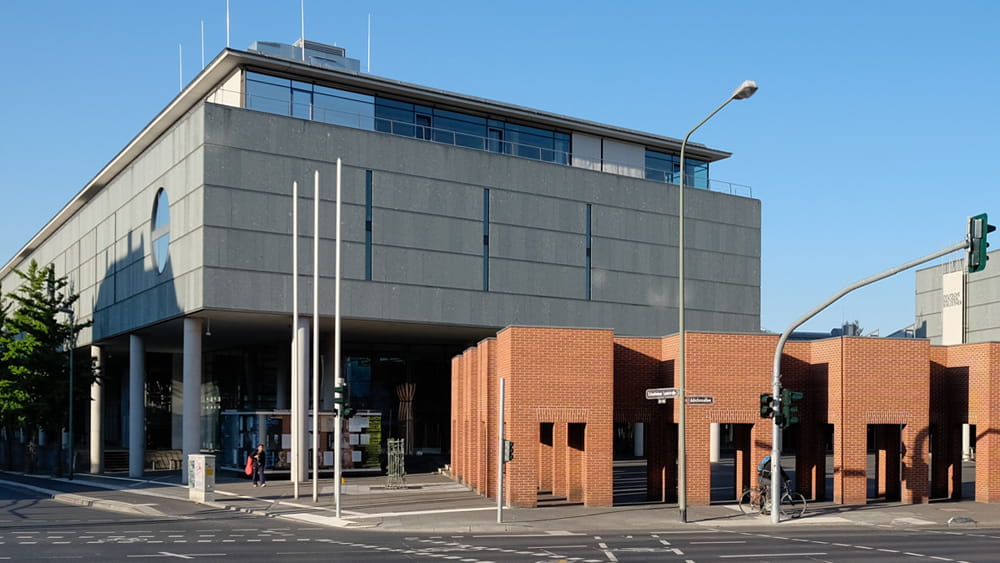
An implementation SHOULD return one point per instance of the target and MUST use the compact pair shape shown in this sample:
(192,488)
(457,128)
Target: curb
(81,500)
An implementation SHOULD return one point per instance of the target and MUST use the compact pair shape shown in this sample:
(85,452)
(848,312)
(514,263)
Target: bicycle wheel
(751,502)
(793,504)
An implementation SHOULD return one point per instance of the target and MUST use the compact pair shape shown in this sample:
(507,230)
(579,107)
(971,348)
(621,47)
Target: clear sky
(871,140)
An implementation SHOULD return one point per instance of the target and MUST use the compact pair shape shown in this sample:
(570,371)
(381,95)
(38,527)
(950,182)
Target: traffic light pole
(776,481)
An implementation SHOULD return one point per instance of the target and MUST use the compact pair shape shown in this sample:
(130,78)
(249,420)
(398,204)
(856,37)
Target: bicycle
(756,501)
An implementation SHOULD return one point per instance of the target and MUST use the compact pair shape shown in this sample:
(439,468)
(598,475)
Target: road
(35,528)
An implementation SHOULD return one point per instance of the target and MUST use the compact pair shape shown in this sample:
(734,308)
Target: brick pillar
(661,460)
(699,468)
(760,444)
(810,476)
(559,460)
(916,463)
(598,477)
(987,464)
(521,473)
(744,458)
(850,465)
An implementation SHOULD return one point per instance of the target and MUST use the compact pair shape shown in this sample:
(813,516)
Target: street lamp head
(745,90)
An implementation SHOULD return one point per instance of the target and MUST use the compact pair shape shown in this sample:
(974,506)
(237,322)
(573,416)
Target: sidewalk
(433,503)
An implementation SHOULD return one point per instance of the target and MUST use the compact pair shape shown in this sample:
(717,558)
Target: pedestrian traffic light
(789,410)
(347,411)
(340,394)
(508,451)
(766,405)
(976,251)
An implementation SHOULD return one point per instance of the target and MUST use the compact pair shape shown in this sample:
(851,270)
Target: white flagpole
(303,12)
(337,376)
(315,362)
(227,24)
(295,340)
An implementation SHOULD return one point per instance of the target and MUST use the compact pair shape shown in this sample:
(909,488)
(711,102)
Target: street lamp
(72,341)
(744,91)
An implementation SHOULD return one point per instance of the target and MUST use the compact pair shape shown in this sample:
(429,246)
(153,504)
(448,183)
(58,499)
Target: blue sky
(870,141)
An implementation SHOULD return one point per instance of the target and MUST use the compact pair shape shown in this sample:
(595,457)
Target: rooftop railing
(495,144)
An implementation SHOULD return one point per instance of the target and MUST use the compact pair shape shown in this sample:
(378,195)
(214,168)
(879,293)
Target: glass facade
(309,101)
(662,167)
(374,113)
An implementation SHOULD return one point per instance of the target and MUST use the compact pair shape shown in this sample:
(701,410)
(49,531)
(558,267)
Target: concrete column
(177,402)
(299,436)
(97,413)
(136,405)
(714,442)
(966,442)
(638,436)
(191,422)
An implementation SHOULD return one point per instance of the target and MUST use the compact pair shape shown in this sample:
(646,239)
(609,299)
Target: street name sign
(661,393)
(700,400)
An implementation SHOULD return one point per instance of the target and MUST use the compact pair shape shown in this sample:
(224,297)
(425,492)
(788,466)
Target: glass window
(394,117)
(464,130)
(343,108)
(160,229)
(270,98)
(302,103)
(268,79)
(663,167)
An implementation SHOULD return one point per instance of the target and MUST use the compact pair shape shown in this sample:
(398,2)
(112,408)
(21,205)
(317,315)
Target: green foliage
(34,363)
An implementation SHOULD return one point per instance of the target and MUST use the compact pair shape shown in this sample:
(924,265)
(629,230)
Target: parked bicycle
(756,501)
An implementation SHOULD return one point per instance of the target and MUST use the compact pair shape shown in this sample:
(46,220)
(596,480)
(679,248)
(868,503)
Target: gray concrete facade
(427,233)
(980,301)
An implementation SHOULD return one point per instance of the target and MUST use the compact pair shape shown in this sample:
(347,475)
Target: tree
(35,363)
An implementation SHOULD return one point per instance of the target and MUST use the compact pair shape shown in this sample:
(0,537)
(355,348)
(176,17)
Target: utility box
(201,477)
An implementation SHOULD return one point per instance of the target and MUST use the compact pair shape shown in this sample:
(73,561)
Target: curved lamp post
(744,91)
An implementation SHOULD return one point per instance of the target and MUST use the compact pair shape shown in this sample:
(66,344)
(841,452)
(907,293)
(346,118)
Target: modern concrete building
(956,307)
(461,216)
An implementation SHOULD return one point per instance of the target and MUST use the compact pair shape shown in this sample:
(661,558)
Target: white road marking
(770,555)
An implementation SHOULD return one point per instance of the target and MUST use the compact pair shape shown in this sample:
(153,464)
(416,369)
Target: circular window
(161,230)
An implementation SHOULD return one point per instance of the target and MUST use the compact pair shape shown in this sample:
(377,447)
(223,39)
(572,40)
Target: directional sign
(700,400)
(661,393)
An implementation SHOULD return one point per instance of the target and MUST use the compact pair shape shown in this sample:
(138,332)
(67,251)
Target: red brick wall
(560,376)
(982,364)
(589,377)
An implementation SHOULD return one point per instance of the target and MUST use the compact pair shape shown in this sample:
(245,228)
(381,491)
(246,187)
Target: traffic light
(340,401)
(766,405)
(789,410)
(508,450)
(976,251)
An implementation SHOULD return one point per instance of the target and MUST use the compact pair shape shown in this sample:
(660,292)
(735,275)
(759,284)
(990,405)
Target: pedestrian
(764,473)
(259,457)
